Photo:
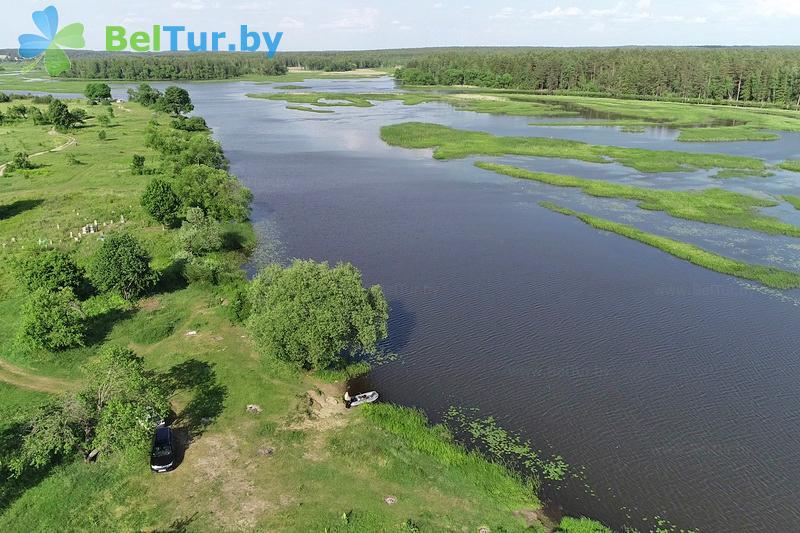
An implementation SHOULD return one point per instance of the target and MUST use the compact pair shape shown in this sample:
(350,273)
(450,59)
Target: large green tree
(220,195)
(161,202)
(53,320)
(175,101)
(97,92)
(123,265)
(48,269)
(315,316)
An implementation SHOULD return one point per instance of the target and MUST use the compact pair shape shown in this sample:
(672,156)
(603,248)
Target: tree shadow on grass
(12,488)
(20,206)
(101,325)
(208,397)
(171,278)
(179,525)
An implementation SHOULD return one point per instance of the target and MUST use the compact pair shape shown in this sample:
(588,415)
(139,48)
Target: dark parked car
(162,458)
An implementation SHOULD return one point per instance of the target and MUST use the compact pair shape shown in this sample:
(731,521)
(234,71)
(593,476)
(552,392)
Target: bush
(160,201)
(310,314)
(220,195)
(53,320)
(51,270)
(203,270)
(122,265)
(200,234)
(190,124)
(137,165)
(21,161)
(102,135)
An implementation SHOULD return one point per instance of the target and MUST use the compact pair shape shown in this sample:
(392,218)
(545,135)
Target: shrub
(51,270)
(310,314)
(137,165)
(203,270)
(122,265)
(53,320)
(220,195)
(200,234)
(102,135)
(160,201)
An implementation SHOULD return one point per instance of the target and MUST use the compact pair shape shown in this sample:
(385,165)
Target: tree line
(762,75)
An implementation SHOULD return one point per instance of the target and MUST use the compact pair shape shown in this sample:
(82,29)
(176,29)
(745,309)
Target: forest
(760,75)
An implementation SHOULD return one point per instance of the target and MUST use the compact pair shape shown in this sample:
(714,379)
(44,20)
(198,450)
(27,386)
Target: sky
(358,25)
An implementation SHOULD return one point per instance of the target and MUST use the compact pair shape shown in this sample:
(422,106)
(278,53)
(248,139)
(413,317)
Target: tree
(104,120)
(313,316)
(145,95)
(102,135)
(220,195)
(53,320)
(199,234)
(137,165)
(60,116)
(175,101)
(51,270)
(122,265)
(97,92)
(160,201)
(21,161)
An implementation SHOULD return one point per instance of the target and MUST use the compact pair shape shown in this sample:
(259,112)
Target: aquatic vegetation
(291,87)
(505,446)
(713,206)
(725,134)
(792,199)
(308,109)
(766,275)
(451,143)
(792,164)
(518,105)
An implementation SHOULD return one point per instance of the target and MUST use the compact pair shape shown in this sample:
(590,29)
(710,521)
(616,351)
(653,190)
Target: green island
(124,299)
(712,206)
(792,165)
(451,143)
(768,276)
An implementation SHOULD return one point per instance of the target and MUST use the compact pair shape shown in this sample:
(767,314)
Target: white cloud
(290,23)
(437,5)
(356,19)
(778,8)
(504,13)
(191,5)
(557,12)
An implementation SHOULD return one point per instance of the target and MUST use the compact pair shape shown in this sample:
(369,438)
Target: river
(673,388)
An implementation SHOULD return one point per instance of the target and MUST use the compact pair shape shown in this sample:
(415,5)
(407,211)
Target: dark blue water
(675,387)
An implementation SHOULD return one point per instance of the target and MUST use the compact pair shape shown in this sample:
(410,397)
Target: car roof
(162,432)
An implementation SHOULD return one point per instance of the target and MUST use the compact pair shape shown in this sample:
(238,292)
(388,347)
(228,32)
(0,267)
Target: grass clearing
(451,143)
(308,109)
(723,134)
(766,275)
(712,206)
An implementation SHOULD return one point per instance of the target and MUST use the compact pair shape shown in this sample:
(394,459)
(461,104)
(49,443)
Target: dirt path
(70,142)
(20,377)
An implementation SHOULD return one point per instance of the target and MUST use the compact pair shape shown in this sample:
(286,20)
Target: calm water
(675,387)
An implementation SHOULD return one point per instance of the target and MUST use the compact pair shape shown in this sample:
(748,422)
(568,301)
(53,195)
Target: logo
(117,39)
(47,46)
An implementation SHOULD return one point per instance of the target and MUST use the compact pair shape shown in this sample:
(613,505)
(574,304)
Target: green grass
(308,109)
(725,134)
(768,276)
(712,206)
(793,165)
(451,143)
(792,199)
(581,525)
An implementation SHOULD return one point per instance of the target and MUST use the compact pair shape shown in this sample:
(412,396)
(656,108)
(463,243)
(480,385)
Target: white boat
(358,399)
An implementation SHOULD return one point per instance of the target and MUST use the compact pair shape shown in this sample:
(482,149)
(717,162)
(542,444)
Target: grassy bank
(769,276)
(303,463)
(713,206)
(725,134)
(451,143)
